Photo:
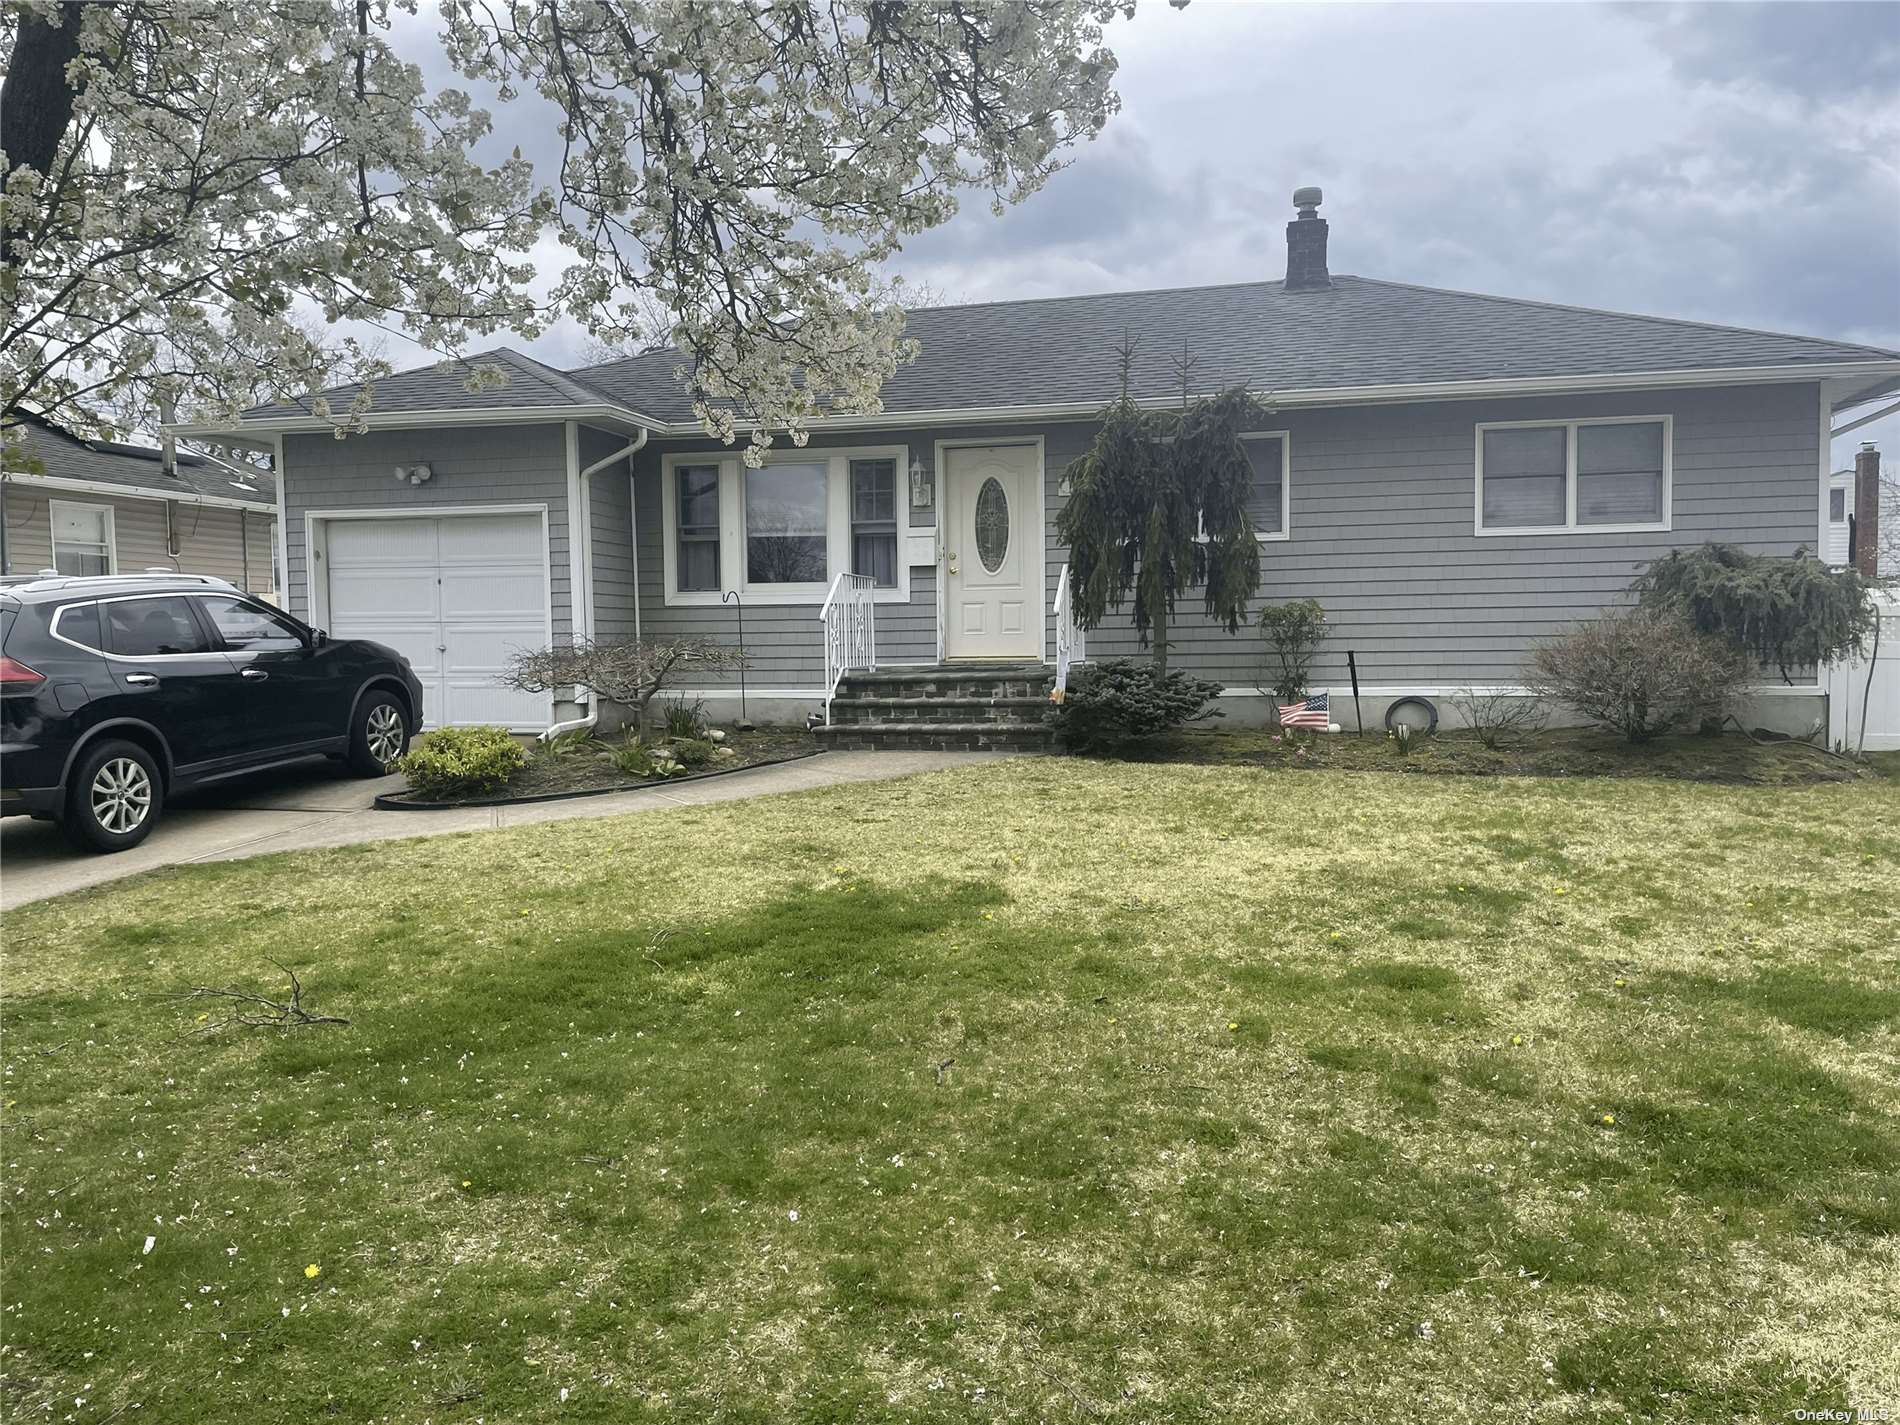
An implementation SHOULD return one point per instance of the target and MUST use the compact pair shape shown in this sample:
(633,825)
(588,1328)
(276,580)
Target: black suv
(118,692)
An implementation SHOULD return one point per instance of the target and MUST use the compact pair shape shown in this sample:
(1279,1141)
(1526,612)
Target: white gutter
(580,559)
(1390,394)
(597,413)
(138,492)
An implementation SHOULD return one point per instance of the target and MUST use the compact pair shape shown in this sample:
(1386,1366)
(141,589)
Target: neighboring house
(1453,476)
(101,507)
(1842,507)
(1840,503)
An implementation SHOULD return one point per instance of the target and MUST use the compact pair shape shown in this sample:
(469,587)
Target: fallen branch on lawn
(276,1014)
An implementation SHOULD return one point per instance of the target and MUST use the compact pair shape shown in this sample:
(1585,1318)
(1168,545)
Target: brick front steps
(956,707)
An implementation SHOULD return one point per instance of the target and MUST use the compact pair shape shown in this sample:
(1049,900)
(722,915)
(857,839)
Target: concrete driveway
(323,805)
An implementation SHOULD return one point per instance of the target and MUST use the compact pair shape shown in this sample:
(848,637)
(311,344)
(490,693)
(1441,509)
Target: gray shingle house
(1454,476)
(104,507)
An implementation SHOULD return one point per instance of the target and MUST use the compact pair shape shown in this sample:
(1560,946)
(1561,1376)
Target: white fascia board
(139,492)
(1398,393)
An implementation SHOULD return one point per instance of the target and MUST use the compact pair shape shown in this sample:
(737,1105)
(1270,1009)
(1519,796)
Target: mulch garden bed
(586,768)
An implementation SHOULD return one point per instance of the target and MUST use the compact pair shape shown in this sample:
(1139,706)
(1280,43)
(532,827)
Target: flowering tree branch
(186,179)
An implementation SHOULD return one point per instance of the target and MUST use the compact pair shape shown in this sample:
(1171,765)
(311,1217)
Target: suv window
(250,626)
(143,628)
(79,623)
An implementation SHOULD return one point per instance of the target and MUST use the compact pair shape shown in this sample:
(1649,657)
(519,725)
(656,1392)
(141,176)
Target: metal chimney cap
(1306,200)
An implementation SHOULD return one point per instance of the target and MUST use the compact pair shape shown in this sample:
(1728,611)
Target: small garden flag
(1314,712)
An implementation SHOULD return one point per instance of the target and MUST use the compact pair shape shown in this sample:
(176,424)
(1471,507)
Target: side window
(147,628)
(79,623)
(250,626)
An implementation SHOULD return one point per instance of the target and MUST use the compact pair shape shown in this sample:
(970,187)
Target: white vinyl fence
(1848,690)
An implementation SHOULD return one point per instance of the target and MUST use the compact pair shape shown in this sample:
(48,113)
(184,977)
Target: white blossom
(748,170)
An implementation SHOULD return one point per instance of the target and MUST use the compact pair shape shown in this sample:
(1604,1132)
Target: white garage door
(457,594)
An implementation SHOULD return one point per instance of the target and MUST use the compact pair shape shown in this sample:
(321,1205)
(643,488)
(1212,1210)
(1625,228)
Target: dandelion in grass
(1232,1026)
(1609,1120)
(1517,1041)
(313,1270)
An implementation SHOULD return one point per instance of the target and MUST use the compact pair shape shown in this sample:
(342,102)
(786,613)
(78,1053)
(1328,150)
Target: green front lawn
(1046,1091)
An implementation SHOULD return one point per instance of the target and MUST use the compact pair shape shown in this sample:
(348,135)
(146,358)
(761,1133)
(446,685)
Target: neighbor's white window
(781,533)
(82,538)
(1550,477)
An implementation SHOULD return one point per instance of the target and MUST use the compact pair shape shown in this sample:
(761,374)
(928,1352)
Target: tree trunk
(1159,633)
(36,98)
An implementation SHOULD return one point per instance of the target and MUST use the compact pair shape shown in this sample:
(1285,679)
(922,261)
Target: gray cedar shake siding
(473,466)
(1381,532)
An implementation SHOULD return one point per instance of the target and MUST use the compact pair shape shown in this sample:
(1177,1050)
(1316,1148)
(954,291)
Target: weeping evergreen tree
(1789,614)
(1142,498)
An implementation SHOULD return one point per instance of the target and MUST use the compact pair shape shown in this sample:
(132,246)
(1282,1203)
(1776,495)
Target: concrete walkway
(324,806)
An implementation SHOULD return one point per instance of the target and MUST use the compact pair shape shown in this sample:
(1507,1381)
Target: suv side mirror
(318,638)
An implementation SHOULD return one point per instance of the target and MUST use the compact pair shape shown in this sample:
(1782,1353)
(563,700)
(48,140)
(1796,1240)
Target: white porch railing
(1071,646)
(850,633)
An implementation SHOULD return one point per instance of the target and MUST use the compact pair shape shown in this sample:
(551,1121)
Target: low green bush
(1110,705)
(463,761)
(693,751)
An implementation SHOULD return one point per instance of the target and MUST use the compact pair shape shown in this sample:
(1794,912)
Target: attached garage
(456,592)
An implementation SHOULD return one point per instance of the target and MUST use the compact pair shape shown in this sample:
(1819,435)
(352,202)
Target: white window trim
(53,508)
(837,461)
(1570,526)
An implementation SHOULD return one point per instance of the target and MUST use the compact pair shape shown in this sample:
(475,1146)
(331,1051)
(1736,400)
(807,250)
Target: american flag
(1314,712)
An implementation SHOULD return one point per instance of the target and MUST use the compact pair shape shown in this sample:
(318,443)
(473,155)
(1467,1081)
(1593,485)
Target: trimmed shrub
(1639,671)
(463,761)
(1109,705)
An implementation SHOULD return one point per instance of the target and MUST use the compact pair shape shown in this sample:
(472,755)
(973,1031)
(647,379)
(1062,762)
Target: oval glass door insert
(992,524)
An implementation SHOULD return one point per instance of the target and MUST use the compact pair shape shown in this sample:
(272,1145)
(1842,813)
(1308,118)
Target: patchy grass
(1560,752)
(1046,1091)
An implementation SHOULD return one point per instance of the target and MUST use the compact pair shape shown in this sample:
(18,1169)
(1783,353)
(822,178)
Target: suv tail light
(16,677)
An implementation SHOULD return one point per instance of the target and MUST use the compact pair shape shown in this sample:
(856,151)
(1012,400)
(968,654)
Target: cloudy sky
(1731,163)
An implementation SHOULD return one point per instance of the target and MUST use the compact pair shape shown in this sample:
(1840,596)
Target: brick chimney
(1306,244)
(1866,535)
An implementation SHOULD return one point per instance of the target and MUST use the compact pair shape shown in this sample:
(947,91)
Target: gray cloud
(1820,51)
(1727,163)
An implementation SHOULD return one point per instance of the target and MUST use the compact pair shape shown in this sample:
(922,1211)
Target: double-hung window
(696,498)
(874,521)
(781,532)
(82,538)
(1563,477)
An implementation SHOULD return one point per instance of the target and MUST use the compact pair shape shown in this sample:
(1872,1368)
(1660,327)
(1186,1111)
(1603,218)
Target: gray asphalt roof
(136,467)
(1359,332)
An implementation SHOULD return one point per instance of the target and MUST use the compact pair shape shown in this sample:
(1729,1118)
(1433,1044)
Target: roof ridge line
(1618,312)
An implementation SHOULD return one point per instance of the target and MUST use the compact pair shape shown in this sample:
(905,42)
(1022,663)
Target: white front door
(457,595)
(992,552)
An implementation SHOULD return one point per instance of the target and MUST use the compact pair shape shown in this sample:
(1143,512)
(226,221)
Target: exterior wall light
(413,474)
(922,487)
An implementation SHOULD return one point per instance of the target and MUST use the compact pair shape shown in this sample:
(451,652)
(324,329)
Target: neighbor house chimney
(1306,244)
(1867,510)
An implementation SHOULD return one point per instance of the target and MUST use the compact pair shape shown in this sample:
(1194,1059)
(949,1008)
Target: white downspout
(580,559)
